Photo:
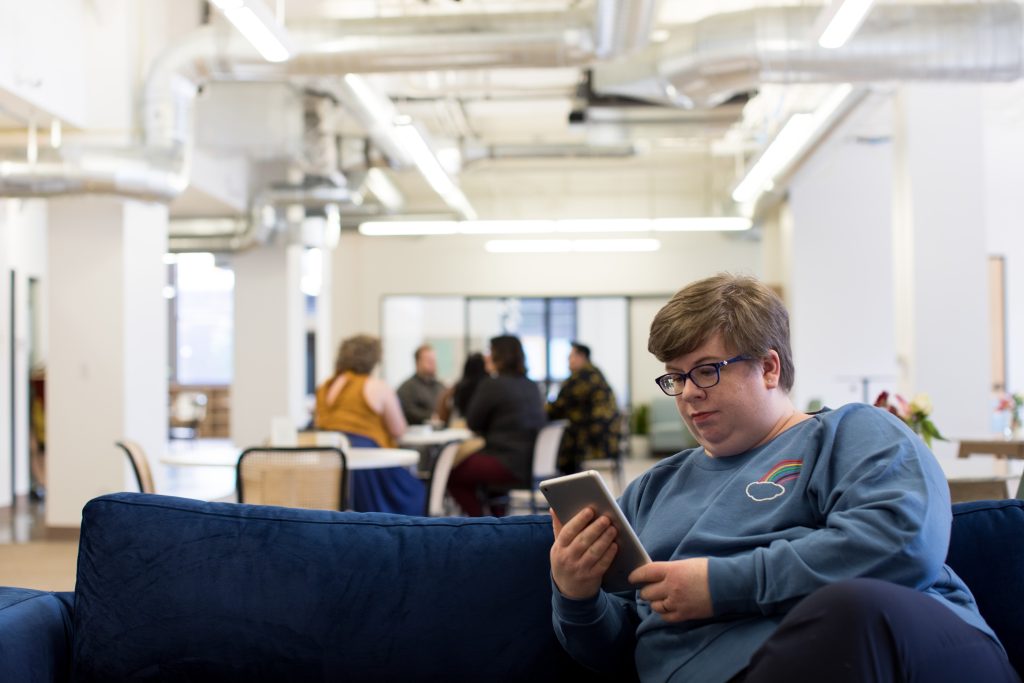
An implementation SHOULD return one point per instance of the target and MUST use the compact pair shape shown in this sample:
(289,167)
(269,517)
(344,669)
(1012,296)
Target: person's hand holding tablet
(594,544)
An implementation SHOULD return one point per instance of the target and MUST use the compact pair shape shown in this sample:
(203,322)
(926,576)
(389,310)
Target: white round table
(415,438)
(355,458)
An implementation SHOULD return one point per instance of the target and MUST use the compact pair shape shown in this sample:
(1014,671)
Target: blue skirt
(392,489)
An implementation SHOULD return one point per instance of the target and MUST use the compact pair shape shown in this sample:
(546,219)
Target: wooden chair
(437,485)
(140,464)
(313,477)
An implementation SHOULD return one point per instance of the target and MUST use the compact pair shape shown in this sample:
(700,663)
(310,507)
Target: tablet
(572,493)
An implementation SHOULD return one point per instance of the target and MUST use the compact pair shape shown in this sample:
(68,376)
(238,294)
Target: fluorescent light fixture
(841,19)
(401,228)
(260,27)
(791,141)
(709,223)
(423,157)
(401,140)
(528,246)
(380,185)
(547,227)
(604,225)
(506,227)
(558,246)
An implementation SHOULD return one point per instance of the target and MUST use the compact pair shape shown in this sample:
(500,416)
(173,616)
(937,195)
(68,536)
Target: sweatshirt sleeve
(886,514)
(600,632)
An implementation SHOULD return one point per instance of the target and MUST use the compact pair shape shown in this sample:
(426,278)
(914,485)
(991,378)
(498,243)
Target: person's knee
(851,601)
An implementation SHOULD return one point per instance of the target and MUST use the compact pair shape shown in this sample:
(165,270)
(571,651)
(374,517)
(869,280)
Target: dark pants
(472,477)
(868,630)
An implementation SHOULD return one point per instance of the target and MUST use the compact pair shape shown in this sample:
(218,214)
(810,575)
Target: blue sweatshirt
(849,493)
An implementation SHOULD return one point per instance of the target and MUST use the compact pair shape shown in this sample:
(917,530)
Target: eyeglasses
(704,376)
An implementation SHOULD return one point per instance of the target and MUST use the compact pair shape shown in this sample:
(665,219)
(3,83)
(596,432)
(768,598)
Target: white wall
(1003,224)
(107,376)
(368,268)
(603,325)
(839,287)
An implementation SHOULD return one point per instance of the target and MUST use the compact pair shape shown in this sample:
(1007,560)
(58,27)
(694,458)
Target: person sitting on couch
(786,546)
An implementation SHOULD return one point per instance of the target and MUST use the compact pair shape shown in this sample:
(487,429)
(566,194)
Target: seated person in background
(507,411)
(588,403)
(786,546)
(455,401)
(366,408)
(419,394)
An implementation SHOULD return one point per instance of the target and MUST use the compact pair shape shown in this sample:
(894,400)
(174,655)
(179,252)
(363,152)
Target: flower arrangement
(915,414)
(1011,403)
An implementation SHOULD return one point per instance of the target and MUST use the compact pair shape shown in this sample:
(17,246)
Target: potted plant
(640,429)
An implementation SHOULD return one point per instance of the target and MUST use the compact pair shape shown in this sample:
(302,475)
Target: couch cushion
(176,589)
(987,551)
(35,635)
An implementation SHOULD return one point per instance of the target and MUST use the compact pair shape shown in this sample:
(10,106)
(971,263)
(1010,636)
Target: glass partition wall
(457,326)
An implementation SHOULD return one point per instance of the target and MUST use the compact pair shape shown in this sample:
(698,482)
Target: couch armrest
(986,550)
(35,635)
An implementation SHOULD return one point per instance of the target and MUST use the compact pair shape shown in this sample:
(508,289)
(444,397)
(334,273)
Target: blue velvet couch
(170,589)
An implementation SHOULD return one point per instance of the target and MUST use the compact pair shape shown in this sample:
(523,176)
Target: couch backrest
(987,551)
(176,589)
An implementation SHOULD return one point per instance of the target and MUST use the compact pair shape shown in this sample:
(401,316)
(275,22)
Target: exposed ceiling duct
(709,61)
(159,170)
(267,216)
(702,64)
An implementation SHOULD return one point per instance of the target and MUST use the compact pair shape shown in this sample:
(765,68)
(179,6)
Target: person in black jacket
(507,410)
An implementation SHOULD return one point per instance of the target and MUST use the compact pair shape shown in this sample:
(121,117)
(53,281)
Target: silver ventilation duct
(238,234)
(706,63)
(159,169)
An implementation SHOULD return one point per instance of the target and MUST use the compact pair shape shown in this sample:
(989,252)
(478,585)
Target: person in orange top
(367,410)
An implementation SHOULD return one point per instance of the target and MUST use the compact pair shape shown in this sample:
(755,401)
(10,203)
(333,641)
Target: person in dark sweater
(507,410)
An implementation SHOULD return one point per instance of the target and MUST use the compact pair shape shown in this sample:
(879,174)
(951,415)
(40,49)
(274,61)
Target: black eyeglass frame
(681,377)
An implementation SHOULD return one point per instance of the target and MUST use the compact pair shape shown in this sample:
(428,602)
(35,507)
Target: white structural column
(6,334)
(940,253)
(326,344)
(269,341)
(837,244)
(107,374)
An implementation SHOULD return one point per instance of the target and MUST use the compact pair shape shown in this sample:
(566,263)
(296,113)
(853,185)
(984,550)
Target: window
(202,314)
(547,326)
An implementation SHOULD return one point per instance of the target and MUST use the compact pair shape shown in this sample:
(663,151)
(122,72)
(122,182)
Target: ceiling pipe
(159,169)
(239,234)
(706,63)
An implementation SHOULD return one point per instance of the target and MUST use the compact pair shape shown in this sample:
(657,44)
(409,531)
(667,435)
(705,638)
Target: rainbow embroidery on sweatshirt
(770,486)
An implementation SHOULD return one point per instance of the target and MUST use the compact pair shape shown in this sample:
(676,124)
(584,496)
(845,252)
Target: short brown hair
(358,354)
(420,350)
(750,316)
